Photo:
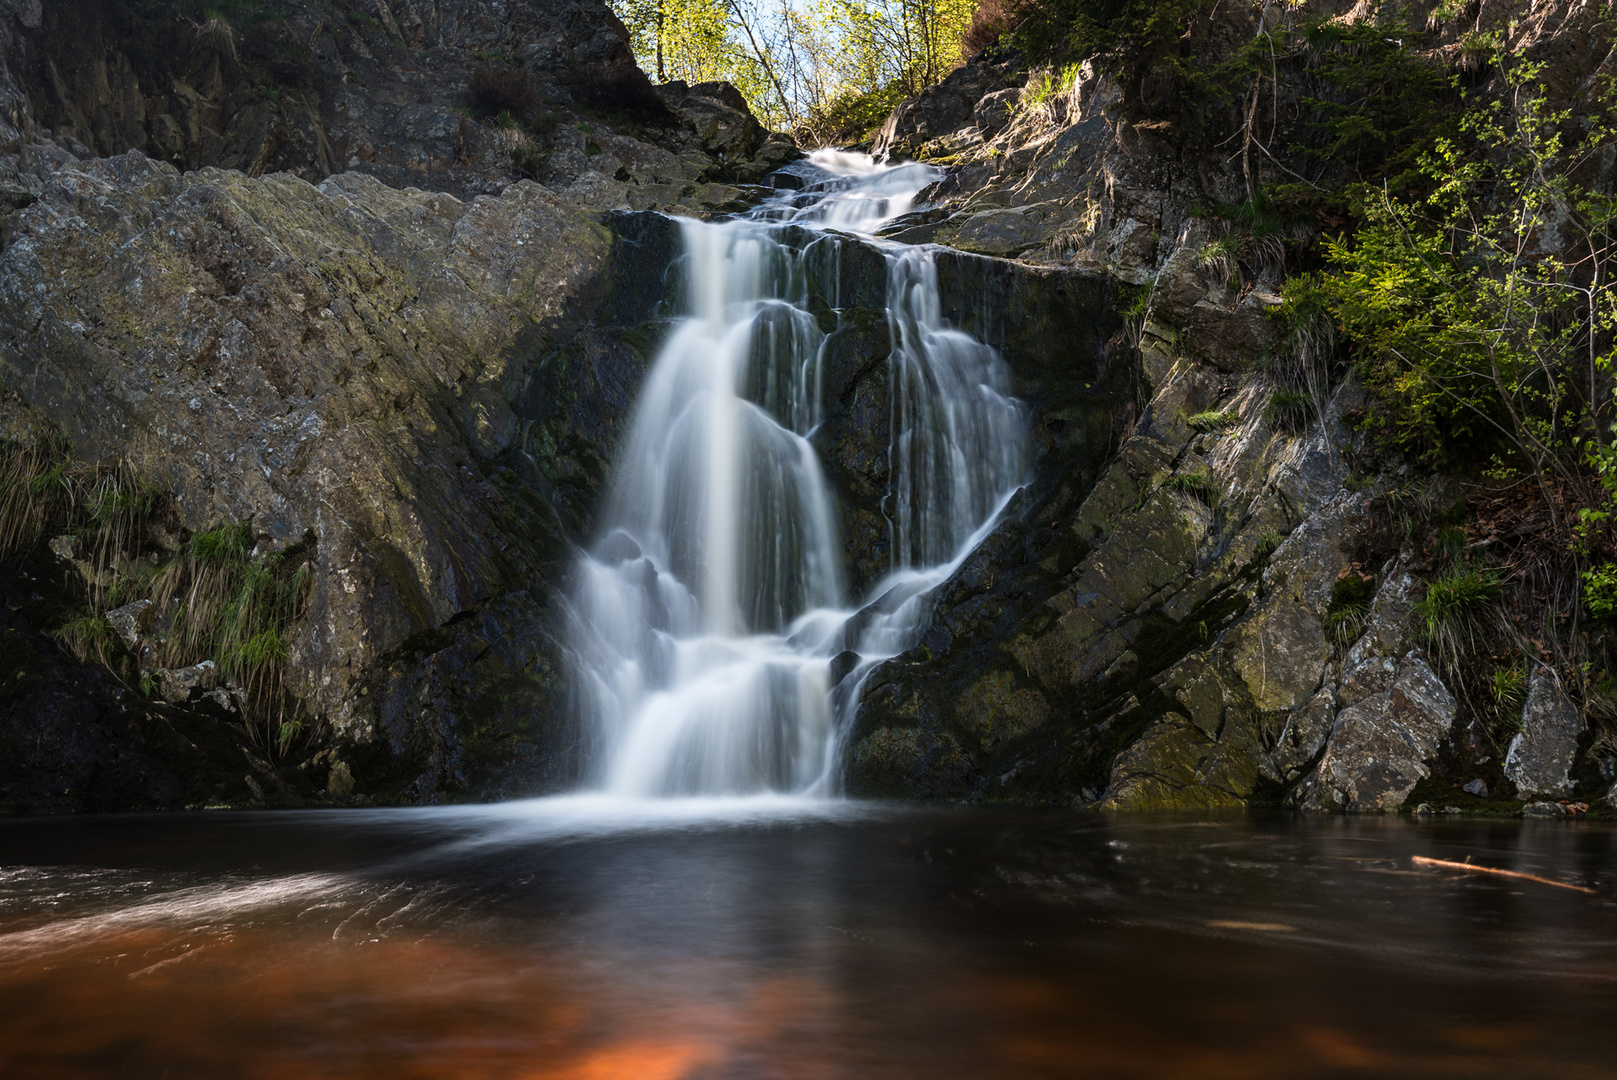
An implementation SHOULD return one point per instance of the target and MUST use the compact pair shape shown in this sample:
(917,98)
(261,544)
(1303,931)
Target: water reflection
(576,938)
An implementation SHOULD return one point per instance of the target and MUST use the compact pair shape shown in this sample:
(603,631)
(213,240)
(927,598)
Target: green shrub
(1600,592)
(851,118)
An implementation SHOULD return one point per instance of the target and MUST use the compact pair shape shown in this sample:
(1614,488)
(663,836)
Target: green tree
(1484,313)
(809,65)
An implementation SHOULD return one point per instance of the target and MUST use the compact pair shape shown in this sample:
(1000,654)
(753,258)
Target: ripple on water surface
(585,937)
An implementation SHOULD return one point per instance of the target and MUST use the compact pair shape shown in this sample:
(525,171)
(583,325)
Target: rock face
(1378,748)
(337,360)
(1220,619)
(407,93)
(424,382)
(1539,761)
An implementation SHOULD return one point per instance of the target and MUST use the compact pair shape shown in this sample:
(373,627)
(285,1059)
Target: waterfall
(708,614)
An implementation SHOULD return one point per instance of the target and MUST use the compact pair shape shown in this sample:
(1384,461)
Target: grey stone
(1543,809)
(126,620)
(1386,627)
(1366,678)
(1379,748)
(1476,787)
(1539,760)
(993,113)
(177,684)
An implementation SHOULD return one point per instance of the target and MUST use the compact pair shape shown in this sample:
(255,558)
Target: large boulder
(724,127)
(1379,748)
(1539,760)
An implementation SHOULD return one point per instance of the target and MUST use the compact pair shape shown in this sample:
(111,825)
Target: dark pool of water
(571,939)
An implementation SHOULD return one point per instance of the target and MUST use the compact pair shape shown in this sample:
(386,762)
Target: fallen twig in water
(1445,864)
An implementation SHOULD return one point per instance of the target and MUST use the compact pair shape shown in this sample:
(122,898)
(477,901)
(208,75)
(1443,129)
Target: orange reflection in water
(271,1003)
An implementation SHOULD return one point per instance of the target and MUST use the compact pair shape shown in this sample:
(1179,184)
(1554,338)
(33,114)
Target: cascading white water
(708,614)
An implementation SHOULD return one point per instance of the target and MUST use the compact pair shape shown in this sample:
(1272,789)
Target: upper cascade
(707,616)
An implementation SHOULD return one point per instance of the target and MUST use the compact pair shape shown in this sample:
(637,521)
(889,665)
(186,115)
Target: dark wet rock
(1477,787)
(1540,757)
(1543,810)
(317,89)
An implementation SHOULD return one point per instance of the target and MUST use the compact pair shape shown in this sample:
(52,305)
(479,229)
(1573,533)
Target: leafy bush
(1476,356)
(1600,592)
(852,117)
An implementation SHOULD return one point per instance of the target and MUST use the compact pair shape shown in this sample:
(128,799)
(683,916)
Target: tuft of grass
(219,596)
(1346,623)
(528,161)
(1508,687)
(1221,258)
(1455,609)
(234,605)
(1349,606)
(1450,541)
(89,637)
(1213,420)
(1288,410)
(1196,484)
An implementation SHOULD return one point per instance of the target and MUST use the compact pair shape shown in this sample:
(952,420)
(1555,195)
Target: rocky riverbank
(1226,618)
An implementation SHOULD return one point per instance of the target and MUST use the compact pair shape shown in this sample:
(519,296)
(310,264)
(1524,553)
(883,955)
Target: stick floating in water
(1445,864)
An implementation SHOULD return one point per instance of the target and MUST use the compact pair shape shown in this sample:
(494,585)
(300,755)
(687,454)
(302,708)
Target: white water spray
(708,615)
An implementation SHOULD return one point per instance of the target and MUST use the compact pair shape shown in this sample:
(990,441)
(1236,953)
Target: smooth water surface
(782,938)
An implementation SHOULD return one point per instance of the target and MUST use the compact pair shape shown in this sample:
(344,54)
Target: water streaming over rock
(708,615)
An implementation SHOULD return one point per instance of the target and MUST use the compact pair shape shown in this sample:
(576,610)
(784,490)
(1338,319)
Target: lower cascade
(711,613)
